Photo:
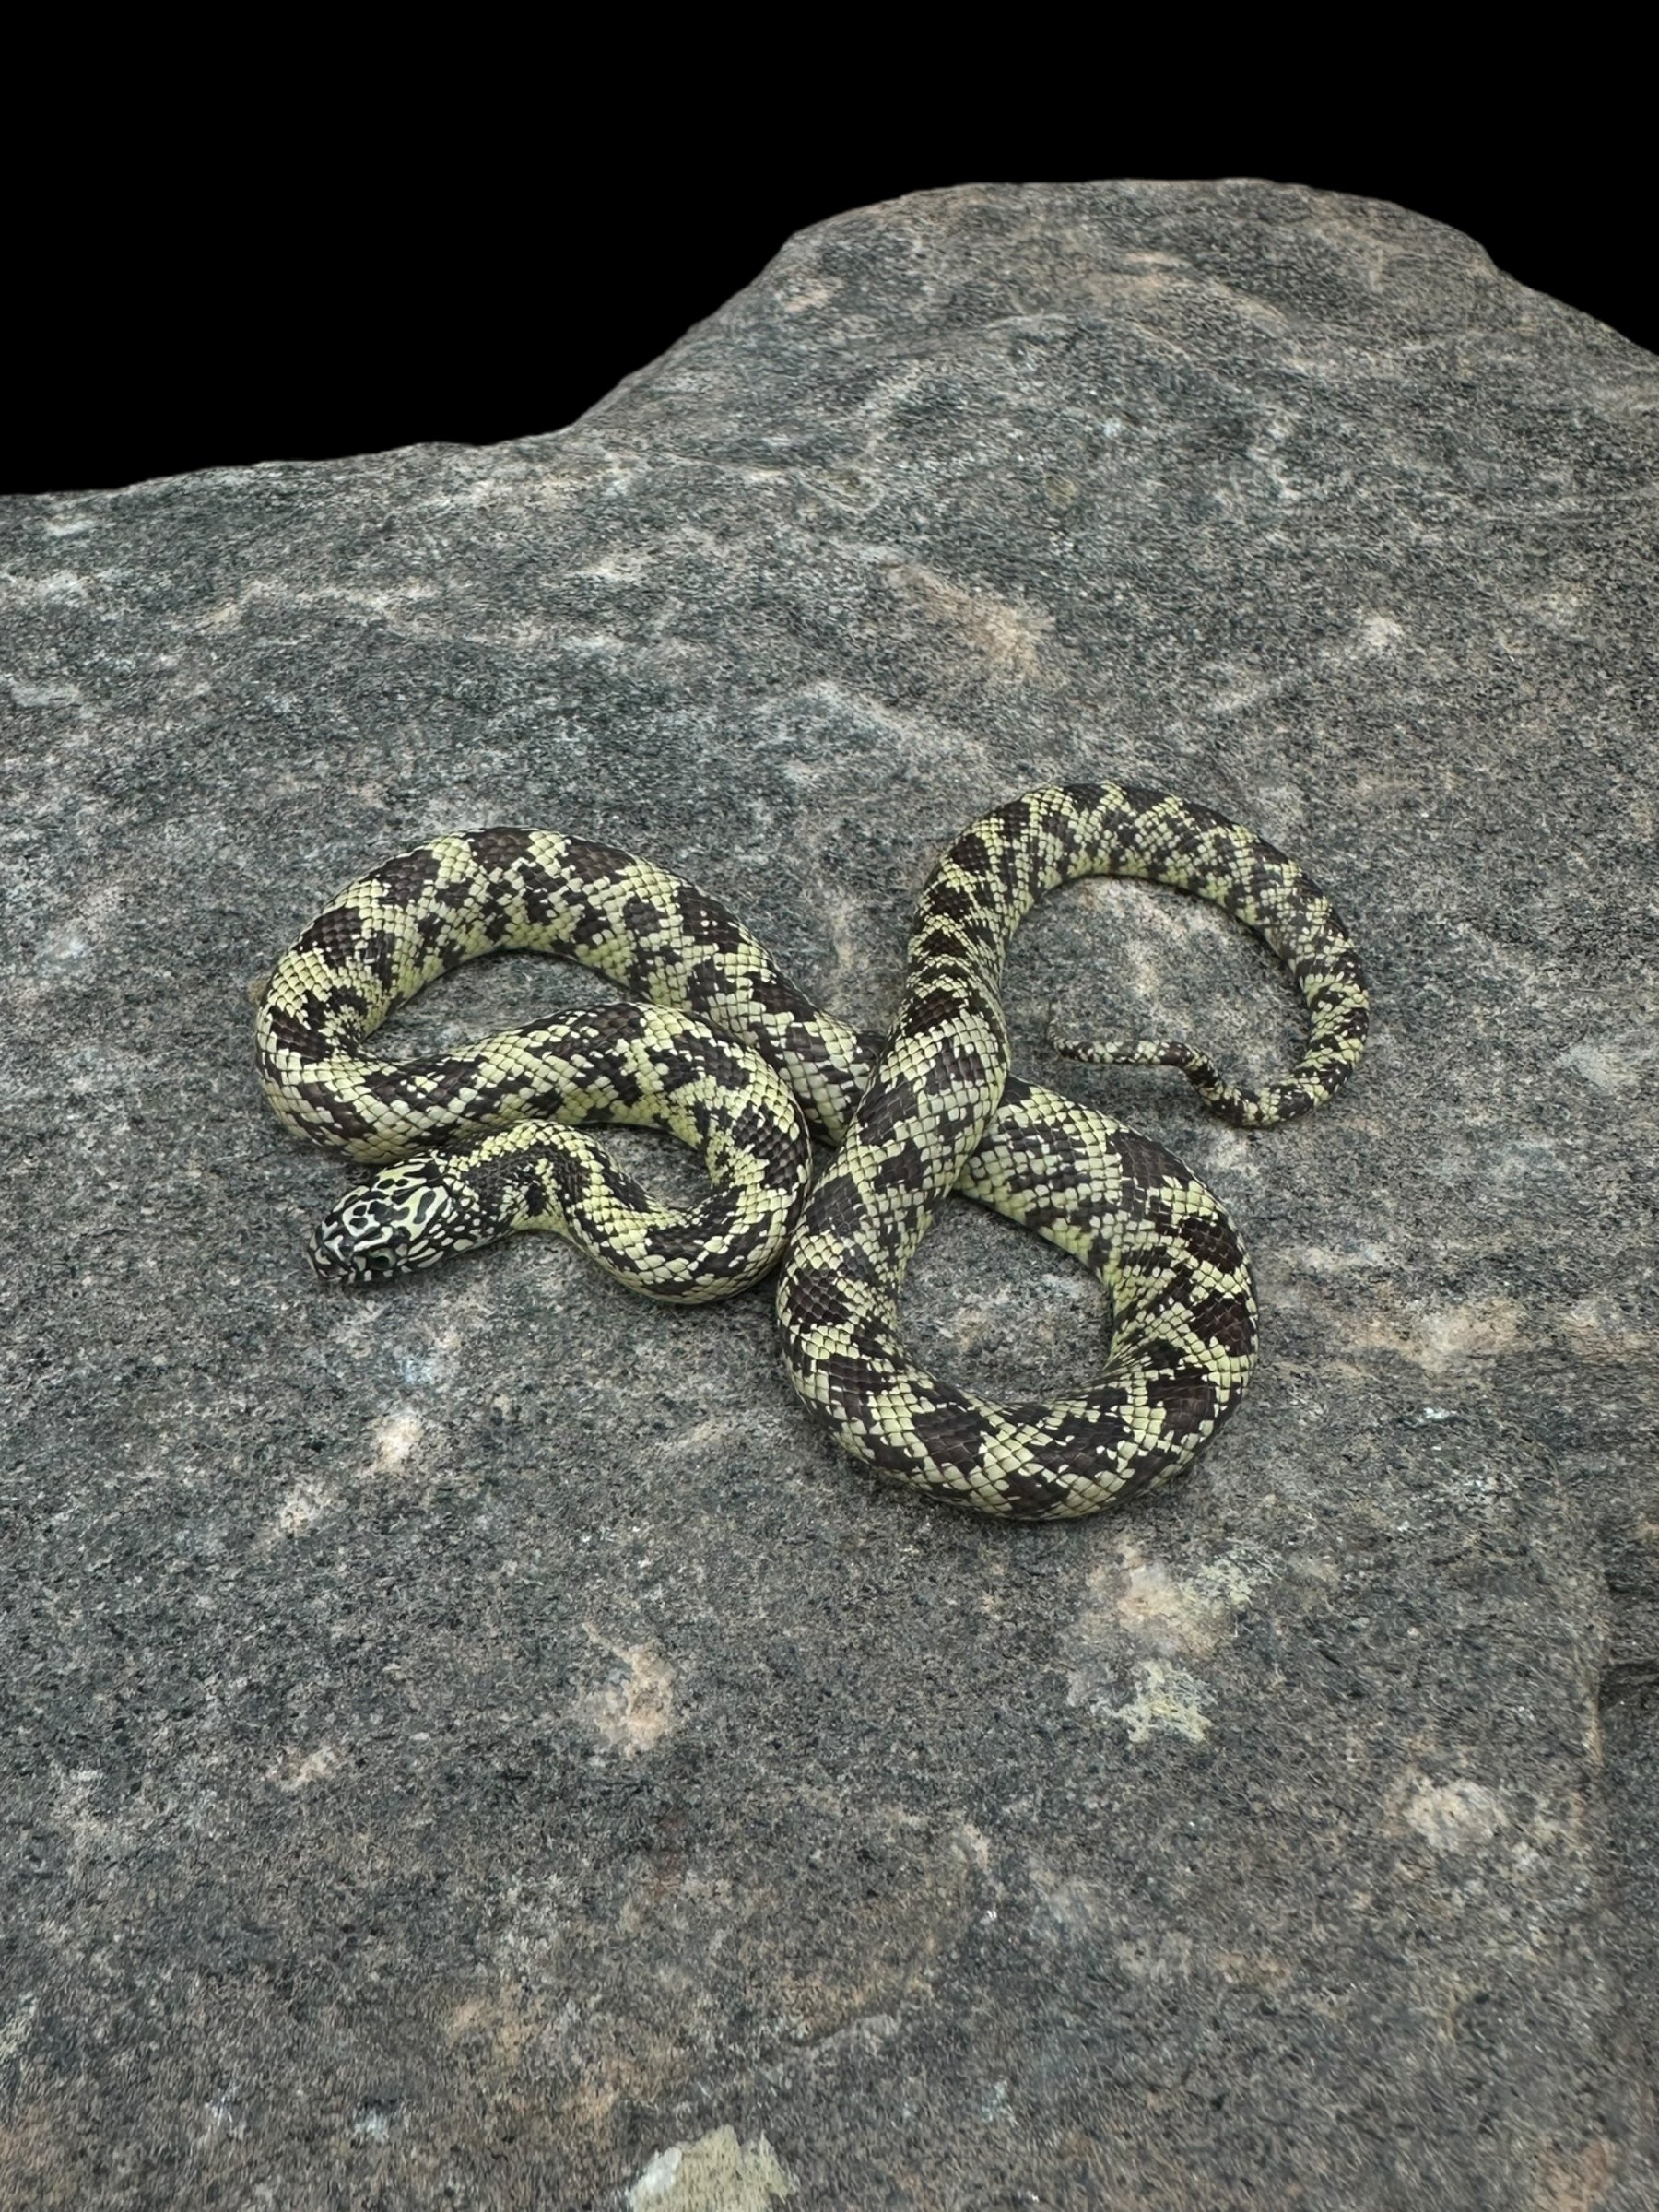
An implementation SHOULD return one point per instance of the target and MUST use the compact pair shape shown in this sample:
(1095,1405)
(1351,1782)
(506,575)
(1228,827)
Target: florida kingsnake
(716,1046)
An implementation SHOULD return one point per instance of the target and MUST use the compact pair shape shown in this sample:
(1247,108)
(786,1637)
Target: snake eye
(387,1255)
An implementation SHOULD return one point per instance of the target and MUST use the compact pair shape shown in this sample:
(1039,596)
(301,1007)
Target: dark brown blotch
(499,848)
(404,881)
(334,935)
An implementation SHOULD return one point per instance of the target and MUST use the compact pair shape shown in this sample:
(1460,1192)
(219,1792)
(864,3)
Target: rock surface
(479,1743)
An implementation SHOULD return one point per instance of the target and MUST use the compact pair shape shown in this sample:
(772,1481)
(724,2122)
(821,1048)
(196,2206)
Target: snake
(713,1044)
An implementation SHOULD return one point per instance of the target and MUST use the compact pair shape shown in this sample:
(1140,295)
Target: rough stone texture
(479,1744)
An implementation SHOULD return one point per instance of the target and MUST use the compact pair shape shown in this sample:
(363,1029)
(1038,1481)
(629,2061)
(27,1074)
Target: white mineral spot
(1454,1816)
(395,1438)
(303,1507)
(296,1771)
(994,2104)
(1143,1617)
(1167,1956)
(43,695)
(1325,1259)
(975,1845)
(1074,1905)
(1158,1610)
(1597,1330)
(806,292)
(620,565)
(93,1839)
(1162,1614)
(634,1710)
(1245,691)
(1475,1330)
(1440,1338)
(716,2173)
(1166,1700)
(14,2034)
(1609,1064)
(220,2118)
(1008,636)
(62,587)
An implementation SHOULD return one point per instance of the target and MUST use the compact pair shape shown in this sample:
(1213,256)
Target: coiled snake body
(715,1045)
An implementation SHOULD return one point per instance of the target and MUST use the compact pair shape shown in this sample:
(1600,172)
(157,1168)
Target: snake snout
(383,1228)
(356,1242)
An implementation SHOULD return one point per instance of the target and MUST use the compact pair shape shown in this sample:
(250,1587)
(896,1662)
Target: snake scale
(714,1045)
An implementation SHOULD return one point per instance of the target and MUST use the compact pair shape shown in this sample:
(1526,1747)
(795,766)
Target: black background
(318,280)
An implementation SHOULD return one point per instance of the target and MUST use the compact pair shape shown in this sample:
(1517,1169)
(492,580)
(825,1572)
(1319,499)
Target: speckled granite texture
(479,1744)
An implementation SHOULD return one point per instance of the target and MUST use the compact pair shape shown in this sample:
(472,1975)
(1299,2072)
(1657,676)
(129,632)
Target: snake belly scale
(716,1046)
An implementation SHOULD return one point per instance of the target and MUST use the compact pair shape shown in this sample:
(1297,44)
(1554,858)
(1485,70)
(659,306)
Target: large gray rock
(480,1743)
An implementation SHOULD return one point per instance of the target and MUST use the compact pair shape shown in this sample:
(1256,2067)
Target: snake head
(405,1218)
